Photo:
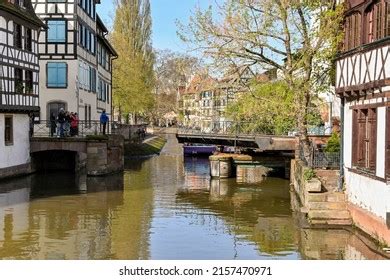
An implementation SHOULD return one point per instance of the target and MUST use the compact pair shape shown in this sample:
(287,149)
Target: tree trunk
(302,124)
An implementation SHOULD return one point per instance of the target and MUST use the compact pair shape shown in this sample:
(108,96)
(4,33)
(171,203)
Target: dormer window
(377,21)
(387,19)
(352,31)
(371,26)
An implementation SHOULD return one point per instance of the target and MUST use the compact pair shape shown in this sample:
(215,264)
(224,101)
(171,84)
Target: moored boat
(199,149)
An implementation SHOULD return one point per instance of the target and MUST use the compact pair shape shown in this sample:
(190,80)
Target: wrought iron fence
(46,128)
(319,158)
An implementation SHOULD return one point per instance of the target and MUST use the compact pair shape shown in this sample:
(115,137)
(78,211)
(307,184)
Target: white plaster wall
(67,95)
(359,64)
(369,194)
(381,142)
(19,152)
(347,136)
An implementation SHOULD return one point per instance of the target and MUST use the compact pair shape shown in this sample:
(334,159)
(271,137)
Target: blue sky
(164,15)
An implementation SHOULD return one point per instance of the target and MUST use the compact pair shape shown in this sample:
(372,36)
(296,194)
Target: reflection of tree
(258,213)
(132,221)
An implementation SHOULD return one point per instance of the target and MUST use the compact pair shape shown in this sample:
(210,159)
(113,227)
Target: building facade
(75,59)
(19,89)
(363,83)
(203,102)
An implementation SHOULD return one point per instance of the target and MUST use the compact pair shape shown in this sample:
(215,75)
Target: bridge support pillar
(221,166)
(105,157)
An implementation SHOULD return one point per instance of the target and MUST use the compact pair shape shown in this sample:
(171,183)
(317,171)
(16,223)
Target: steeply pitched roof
(100,24)
(103,39)
(199,83)
(27,12)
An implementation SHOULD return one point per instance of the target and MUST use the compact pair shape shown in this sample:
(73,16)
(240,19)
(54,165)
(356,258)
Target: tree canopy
(133,71)
(299,38)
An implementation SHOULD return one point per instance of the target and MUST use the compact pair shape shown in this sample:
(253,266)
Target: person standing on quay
(74,123)
(61,123)
(103,121)
(53,124)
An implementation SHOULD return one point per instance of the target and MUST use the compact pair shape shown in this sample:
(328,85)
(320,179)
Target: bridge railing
(231,128)
(45,128)
(228,128)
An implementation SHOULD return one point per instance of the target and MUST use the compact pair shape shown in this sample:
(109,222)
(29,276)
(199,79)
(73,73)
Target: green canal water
(164,207)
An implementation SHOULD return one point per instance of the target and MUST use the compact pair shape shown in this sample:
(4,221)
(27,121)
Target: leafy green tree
(172,70)
(268,109)
(133,72)
(299,38)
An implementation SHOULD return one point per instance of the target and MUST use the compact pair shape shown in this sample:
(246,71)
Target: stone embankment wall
(322,203)
(106,156)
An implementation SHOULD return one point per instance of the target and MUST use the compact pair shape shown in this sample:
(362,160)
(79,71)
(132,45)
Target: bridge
(259,142)
(89,149)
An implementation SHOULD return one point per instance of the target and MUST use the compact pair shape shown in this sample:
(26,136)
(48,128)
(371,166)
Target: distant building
(363,83)
(188,99)
(75,59)
(228,90)
(19,89)
(203,102)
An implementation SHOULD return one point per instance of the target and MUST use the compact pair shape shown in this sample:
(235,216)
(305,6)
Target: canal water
(164,207)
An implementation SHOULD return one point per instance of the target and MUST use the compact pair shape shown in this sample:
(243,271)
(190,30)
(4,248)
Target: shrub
(308,174)
(333,145)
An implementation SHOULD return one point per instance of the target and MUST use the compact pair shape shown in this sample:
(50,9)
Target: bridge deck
(262,142)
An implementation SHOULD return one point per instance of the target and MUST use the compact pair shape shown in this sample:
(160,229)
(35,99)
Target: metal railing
(319,158)
(232,128)
(46,128)
(228,128)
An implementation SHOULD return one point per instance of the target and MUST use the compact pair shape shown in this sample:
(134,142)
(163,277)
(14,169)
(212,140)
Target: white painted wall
(381,142)
(347,136)
(369,194)
(67,95)
(360,63)
(19,152)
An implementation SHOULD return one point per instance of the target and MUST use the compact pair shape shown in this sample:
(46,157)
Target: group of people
(65,124)
(141,133)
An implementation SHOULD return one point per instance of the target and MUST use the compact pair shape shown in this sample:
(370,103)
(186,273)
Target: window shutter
(388,141)
(372,120)
(361,142)
(355,138)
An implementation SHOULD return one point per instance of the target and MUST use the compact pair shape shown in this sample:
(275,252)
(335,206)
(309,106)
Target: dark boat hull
(199,150)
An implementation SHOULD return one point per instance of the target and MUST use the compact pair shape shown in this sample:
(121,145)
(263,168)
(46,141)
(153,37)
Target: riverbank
(149,147)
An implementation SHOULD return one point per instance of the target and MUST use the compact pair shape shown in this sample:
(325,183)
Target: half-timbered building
(70,52)
(105,54)
(19,90)
(363,83)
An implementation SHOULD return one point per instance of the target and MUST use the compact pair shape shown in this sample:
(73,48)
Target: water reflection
(41,217)
(164,207)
